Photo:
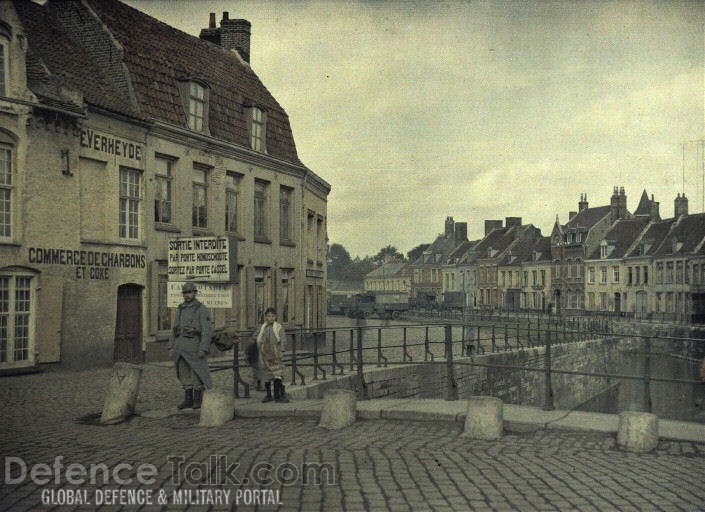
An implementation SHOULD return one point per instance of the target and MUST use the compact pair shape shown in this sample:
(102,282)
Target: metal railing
(353,348)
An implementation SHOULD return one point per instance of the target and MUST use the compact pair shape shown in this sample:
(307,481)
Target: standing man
(189,346)
(270,340)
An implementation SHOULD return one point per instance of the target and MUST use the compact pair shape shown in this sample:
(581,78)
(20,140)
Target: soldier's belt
(187,332)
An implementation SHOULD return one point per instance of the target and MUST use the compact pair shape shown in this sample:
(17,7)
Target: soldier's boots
(197,398)
(188,400)
(268,387)
(279,392)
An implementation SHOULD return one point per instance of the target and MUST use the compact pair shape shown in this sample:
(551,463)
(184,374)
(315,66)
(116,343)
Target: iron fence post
(647,374)
(451,388)
(548,387)
(360,373)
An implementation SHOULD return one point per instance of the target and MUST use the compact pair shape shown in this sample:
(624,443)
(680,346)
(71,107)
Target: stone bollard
(122,393)
(339,409)
(485,418)
(638,431)
(217,408)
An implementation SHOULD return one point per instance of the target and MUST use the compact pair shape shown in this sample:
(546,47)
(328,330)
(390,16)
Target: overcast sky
(478,110)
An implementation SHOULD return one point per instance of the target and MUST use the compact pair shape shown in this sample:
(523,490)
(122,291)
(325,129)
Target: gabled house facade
(118,134)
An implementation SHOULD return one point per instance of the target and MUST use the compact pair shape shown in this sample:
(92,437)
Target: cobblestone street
(377,465)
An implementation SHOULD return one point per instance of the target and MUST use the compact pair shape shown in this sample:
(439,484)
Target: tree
(339,261)
(389,252)
(416,252)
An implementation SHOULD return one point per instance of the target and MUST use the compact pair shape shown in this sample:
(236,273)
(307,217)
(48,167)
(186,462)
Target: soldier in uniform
(270,339)
(189,346)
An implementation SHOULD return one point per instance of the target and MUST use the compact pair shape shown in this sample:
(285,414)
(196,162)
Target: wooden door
(128,324)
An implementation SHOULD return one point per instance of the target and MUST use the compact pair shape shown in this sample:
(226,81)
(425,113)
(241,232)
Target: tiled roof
(157,58)
(461,250)
(441,246)
(652,238)
(542,246)
(623,234)
(387,270)
(688,230)
(518,251)
(588,217)
(53,58)
(644,207)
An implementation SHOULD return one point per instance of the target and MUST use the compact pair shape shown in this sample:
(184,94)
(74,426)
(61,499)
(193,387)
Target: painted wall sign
(206,259)
(88,264)
(213,295)
(99,145)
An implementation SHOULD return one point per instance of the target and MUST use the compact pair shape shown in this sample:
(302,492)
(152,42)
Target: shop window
(16,319)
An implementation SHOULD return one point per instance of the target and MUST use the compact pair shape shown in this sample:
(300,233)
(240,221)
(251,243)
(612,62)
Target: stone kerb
(637,431)
(122,393)
(485,418)
(217,408)
(339,409)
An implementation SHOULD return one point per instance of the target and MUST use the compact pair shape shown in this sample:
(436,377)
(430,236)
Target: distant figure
(270,339)
(189,346)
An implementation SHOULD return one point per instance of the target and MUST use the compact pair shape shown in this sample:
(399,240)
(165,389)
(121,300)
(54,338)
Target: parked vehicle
(453,301)
(381,304)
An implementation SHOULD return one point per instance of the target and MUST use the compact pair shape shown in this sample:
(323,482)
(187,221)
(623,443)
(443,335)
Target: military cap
(188,287)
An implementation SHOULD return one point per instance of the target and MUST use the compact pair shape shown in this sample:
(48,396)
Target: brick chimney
(450,227)
(583,204)
(511,222)
(231,35)
(461,232)
(680,206)
(654,213)
(618,204)
(491,225)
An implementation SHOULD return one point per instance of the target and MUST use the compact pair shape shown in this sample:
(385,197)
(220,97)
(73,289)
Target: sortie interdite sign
(207,258)
(210,262)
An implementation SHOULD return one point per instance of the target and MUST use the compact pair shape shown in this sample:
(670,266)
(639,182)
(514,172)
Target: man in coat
(270,339)
(189,346)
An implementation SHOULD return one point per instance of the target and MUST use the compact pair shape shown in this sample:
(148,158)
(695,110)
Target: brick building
(118,133)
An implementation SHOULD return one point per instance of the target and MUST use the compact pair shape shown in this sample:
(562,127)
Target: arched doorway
(128,324)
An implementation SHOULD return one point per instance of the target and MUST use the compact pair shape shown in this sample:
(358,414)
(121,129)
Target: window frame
(168,179)
(199,185)
(260,217)
(10,188)
(5,78)
(286,195)
(129,200)
(11,325)
(257,128)
(233,185)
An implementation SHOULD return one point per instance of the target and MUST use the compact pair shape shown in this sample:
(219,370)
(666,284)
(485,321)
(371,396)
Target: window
(260,294)
(16,319)
(129,203)
(669,272)
(534,274)
(196,106)
(257,129)
(659,273)
(637,274)
(603,274)
(591,300)
(615,274)
(163,313)
(320,245)
(285,195)
(526,278)
(286,286)
(603,301)
(679,272)
(261,210)
(199,210)
(6,185)
(232,201)
(543,277)
(646,275)
(162,190)
(4,65)
(591,275)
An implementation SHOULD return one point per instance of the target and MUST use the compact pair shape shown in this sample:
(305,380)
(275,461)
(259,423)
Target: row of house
(119,133)
(604,259)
